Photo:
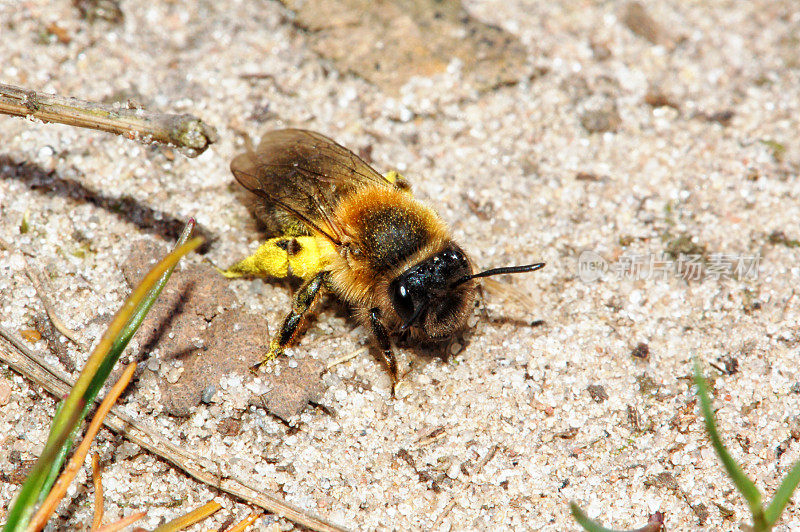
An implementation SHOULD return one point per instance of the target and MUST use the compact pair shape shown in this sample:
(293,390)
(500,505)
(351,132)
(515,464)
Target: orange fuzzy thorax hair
(388,231)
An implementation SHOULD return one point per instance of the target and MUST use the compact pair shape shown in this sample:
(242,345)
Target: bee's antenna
(499,271)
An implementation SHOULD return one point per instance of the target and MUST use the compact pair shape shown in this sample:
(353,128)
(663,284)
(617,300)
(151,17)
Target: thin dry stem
(37,282)
(122,523)
(190,518)
(244,523)
(57,383)
(447,509)
(344,358)
(183,131)
(97,520)
(60,487)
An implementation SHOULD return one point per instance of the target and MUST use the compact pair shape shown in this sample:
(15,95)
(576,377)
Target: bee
(340,226)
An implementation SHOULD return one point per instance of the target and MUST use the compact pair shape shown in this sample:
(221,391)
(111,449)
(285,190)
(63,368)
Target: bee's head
(435,296)
(427,296)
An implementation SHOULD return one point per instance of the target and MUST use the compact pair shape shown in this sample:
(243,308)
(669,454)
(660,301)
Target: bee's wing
(508,293)
(306,174)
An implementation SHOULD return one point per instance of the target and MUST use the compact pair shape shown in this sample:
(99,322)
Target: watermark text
(645,266)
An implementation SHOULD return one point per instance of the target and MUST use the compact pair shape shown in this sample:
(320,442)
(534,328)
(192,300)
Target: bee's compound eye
(401,300)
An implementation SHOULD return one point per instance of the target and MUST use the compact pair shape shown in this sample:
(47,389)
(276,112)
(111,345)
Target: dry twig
(122,523)
(244,523)
(187,520)
(98,492)
(183,131)
(37,282)
(347,357)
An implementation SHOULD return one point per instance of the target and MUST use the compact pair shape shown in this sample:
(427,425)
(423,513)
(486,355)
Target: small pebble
(642,351)
(208,394)
(5,391)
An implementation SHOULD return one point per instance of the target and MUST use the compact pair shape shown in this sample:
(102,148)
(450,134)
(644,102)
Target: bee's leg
(383,343)
(303,300)
(284,256)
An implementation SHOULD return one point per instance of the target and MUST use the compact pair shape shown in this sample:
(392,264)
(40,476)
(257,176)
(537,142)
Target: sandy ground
(670,147)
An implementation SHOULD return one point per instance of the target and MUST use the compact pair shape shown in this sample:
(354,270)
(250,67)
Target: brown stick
(98,492)
(244,523)
(183,131)
(187,520)
(122,523)
(36,281)
(24,361)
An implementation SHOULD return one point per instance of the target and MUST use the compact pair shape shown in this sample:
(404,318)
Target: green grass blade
(748,490)
(584,520)
(22,510)
(61,455)
(782,496)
